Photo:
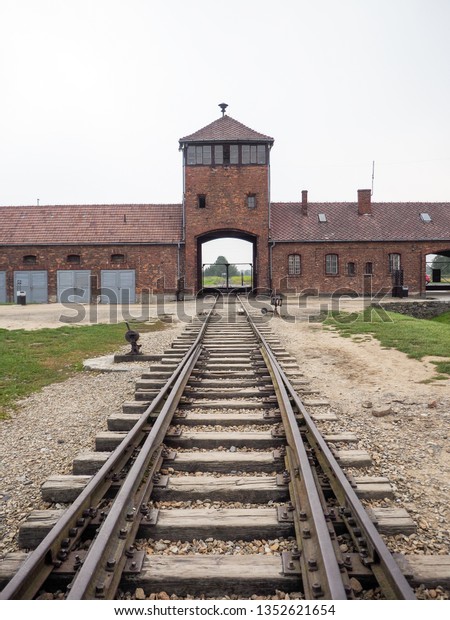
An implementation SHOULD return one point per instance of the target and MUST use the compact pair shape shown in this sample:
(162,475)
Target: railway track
(216,446)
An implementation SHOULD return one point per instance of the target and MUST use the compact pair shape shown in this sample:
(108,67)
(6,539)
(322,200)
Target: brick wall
(226,189)
(313,276)
(155,265)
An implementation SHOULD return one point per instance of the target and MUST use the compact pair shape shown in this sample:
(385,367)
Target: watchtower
(226,181)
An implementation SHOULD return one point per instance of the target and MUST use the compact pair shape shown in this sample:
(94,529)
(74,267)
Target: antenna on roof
(38,202)
(373,175)
(223,107)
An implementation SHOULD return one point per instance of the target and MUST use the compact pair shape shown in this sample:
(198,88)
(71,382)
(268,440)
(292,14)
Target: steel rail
(390,578)
(330,585)
(39,565)
(383,565)
(109,541)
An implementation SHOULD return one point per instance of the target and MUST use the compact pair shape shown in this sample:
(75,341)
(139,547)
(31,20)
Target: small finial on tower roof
(223,107)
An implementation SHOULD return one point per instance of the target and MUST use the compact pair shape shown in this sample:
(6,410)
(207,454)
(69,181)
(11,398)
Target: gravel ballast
(408,443)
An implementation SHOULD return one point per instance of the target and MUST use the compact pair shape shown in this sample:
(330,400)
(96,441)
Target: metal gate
(34,284)
(118,286)
(74,285)
(227,276)
(2,287)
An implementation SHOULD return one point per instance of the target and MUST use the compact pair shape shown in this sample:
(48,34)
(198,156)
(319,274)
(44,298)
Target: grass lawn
(418,338)
(29,360)
(212,281)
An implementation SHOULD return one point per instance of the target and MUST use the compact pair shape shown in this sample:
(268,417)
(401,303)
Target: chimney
(364,202)
(304,202)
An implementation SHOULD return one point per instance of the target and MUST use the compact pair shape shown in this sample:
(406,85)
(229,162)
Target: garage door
(118,286)
(74,286)
(2,287)
(34,283)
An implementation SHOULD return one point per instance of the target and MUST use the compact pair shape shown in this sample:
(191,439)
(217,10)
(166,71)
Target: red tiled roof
(226,129)
(89,224)
(115,224)
(389,221)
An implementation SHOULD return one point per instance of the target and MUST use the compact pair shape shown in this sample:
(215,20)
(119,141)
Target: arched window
(29,259)
(74,259)
(394,262)
(294,265)
(351,269)
(117,258)
(368,269)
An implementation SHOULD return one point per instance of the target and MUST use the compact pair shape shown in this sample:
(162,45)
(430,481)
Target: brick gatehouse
(123,252)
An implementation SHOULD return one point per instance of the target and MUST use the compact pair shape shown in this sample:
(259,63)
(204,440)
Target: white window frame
(294,265)
(331,264)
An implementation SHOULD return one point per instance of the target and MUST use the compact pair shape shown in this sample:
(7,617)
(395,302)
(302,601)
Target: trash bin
(405,290)
(22,298)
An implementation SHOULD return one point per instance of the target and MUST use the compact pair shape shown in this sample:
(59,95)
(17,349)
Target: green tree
(218,268)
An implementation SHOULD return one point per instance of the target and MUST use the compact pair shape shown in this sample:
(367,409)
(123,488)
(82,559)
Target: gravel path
(51,427)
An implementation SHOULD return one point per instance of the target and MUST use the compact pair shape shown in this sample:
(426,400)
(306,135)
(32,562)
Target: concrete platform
(106,363)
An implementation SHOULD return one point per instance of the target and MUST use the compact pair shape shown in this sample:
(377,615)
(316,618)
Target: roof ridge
(114,205)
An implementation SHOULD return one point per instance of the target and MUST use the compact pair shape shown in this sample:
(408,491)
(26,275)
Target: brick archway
(438,271)
(227,233)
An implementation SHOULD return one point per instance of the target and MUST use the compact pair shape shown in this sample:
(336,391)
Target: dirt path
(409,442)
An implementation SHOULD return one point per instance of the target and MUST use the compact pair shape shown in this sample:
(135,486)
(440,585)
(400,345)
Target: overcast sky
(95,95)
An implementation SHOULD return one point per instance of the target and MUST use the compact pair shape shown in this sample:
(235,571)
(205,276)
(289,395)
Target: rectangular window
(251,201)
(351,269)
(234,154)
(199,155)
(394,262)
(207,159)
(191,155)
(261,154)
(226,154)
(294,265)
(368,269)
(201,201)
(331,265)
(253,154)
(218,154)
(245,153)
